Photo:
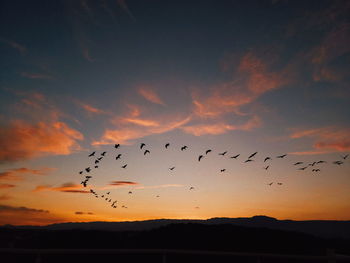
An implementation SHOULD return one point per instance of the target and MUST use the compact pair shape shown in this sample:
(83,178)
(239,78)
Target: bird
(84,183)
(167,145)
(108,193)
(302,168)
(142,145)
(321,162)
(267,158)
(267,167)
(316,170)
(130,192)
(223,153)
(312,164)
(88,169)
(338,162)
(100,158)
(172,168)
(281,156)
(184,147)
(116,146)
(279,183)
(96,166)
(191,188)
(147,151)
(92,154)
(297,163)
(97,161)
(222,170)
(200,157)
(252,155)
(124,166)
(118,156)
(345,156)
(207,151)
(270,183)
(235,157)
(249,160)
(103,154)
(157,196)
(80,172)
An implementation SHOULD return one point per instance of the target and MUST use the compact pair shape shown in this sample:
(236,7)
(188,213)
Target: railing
(331,257)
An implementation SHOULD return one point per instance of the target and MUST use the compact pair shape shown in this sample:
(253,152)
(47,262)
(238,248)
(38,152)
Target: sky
(239,77)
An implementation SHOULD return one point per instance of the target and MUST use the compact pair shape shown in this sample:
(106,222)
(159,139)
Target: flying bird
(338,162)
(267,167)
(200,157)
(167,145)
(267,158)
(184,147)
(222,170)
(191,188)
(252,155)
(279,183)
(103,154)
(92,154)
(312,164)
(97,161)
(142,145)
(100,158)
(249,160)
(302,168)
(223,153)
(270,183)
(297,163)
(235,157)
(124,166)
(207,151)
(117,146)
(130,192)
(321,162)
(96,166)
(281,156)
(80,172)
(88,169)
(345,156)
(172,168)
(118,156)
(147,151)
(316,170)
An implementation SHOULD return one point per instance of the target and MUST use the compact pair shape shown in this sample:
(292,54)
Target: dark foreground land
(182,242)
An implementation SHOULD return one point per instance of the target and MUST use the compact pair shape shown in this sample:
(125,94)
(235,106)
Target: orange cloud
(21,141)
(122,183)
(35,75)
(83,213)
(327,138)
(150,95)
(5,197)
(16,174)
(220,128)
(91,109)
(66,188)
(4,186)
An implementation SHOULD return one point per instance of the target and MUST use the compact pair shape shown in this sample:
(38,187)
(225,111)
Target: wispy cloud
(122,183)
(23,209)
(65,188)
(36,75)
(326,138)
(17,173)
(5,197)
(4,186)
(149,94)
(22,49)
(124,6)
(83,213)
(91,109)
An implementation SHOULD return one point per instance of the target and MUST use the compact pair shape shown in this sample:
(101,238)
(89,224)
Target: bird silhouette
(252,155)
(117,146)
(312,164)
(96,166)
(88,169)
(103,154)
(207,151)
(97,161)
(191,188)
(338,162)
(279,183)
(223,153)
(222,170)
(100,158)
(129,192)
(345,156)
(249,160)
(147,151)
(267,167)
(92,154)
(267,158)
(235,157)
(281,156)
(270,184)
(172,168)
(321,162)
(297,163)
(167,145)
(124,166)
(184,147)
(200,157)
(302,168)
(118,156)
(80,172)
(142,145)
(316,170)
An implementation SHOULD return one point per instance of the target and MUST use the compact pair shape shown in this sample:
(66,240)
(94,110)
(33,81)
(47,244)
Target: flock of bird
(113,203)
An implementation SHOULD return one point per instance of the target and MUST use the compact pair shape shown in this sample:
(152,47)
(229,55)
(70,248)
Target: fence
(165,254)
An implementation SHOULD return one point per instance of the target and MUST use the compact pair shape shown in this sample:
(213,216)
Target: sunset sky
(239,76)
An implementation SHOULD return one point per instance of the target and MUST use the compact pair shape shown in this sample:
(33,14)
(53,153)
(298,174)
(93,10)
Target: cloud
(124,6)
(91,109)
(22,49)
(326,138)
(122,183)
(35,75)
(83,213)
(220,128)
(16,174)
(150,95)
(65,188)
(22,141)
(23,209)
(4,186)
(5,197)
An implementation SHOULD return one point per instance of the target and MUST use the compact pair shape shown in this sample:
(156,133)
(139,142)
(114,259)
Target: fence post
(331,255)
